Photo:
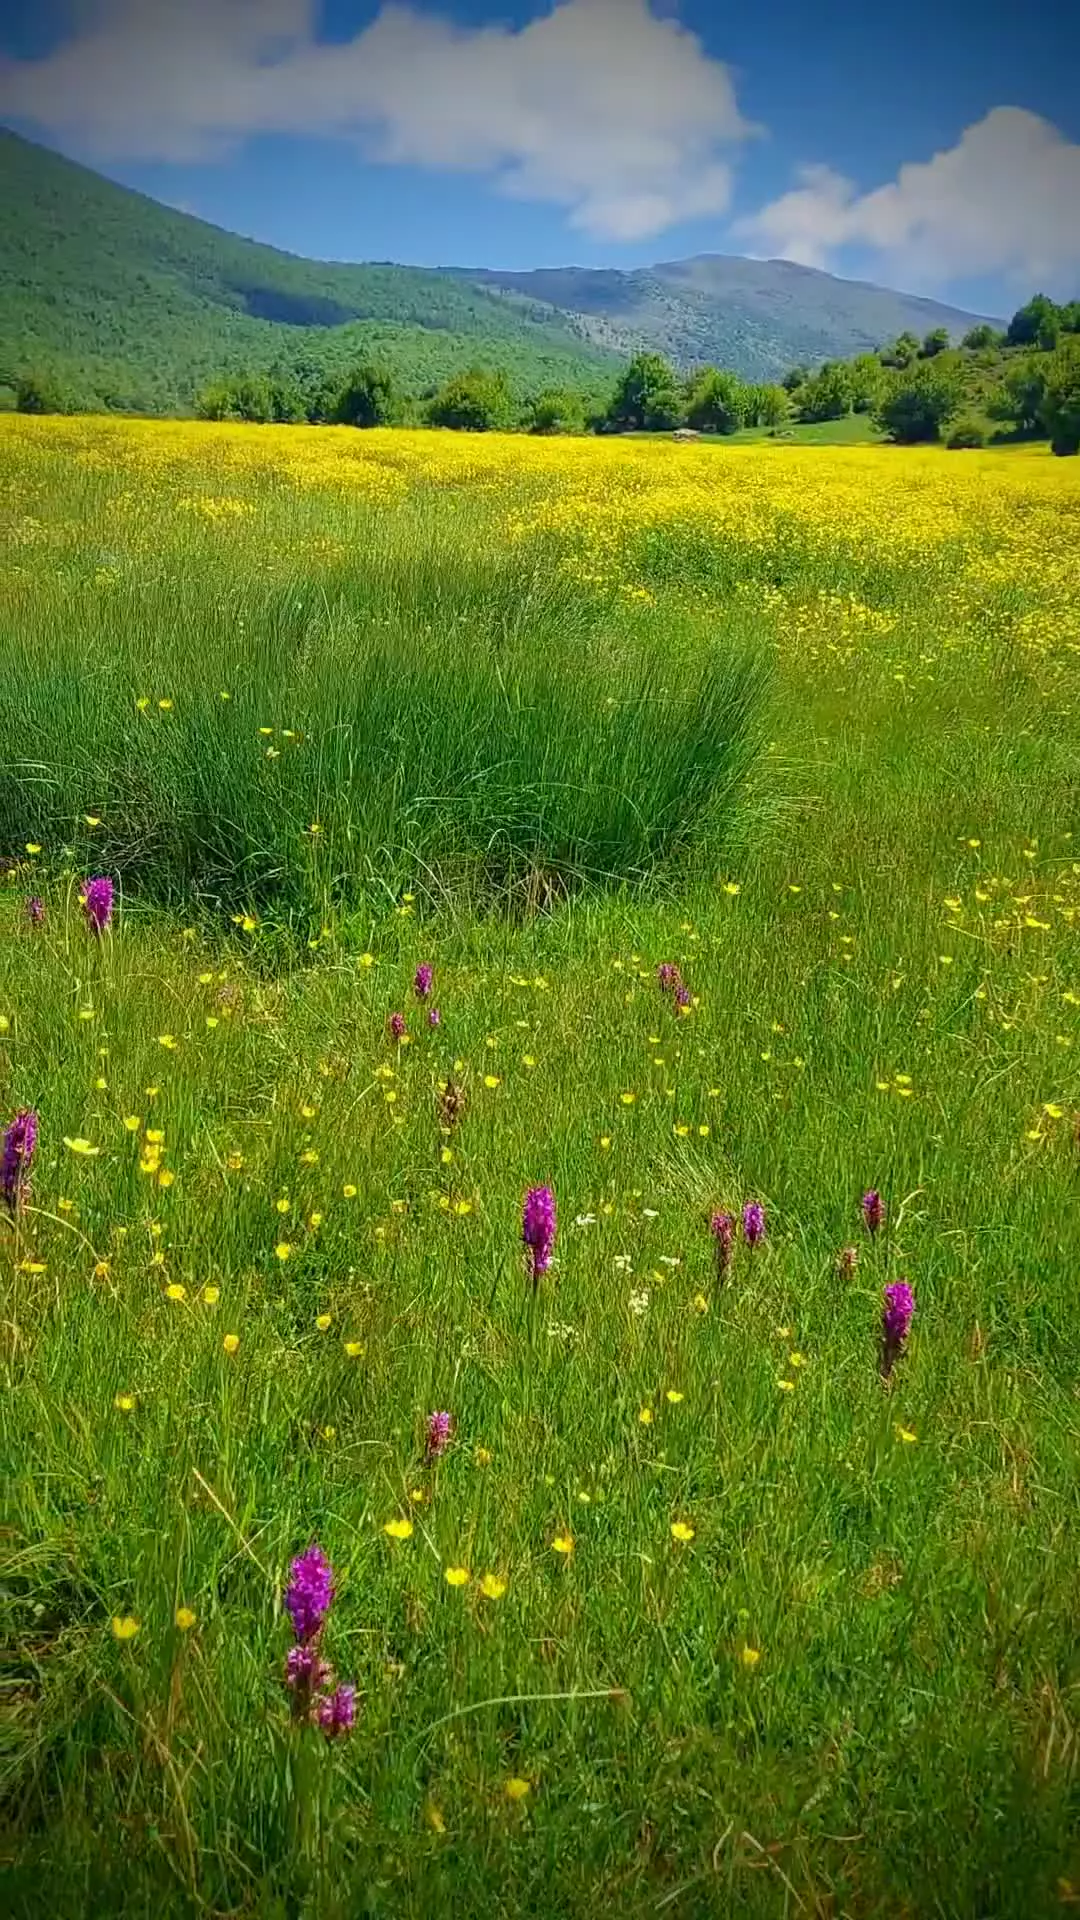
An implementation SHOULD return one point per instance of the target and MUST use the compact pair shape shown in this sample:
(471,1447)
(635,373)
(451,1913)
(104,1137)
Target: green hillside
(757,317)
(134,305)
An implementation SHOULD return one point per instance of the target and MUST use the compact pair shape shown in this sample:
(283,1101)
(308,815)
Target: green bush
(967,433)
(555,411)
(477,401)
(646,396)
(369,398)
(920,404)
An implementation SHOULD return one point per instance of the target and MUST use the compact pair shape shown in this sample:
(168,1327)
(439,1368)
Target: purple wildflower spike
(309,1593)
(668,977)
(434,1018)
(722,1228)
(873,1211)
(397,1026)
(753,1222)
(97,901)
(16,1154)
(336,1712)
(897,1314)
(425,973)
(35,911)
(538,1228)
(440,1426)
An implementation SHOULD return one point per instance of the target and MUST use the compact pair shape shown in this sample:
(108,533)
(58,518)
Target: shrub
(967,433)
(717,402)
(1060,409)
(369,398)
(556,410)
(920,404)
(646,396)
(477,401)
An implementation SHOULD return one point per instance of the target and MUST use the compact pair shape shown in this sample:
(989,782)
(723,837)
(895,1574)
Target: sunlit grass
(692,1615)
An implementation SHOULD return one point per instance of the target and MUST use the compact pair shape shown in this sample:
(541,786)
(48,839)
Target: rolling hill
(131,304)
(757,317)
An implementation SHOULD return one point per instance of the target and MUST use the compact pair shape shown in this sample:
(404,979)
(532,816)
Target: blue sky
(936,147)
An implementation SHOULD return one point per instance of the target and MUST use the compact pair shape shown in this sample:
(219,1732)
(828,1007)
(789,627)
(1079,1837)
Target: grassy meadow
(695,1615)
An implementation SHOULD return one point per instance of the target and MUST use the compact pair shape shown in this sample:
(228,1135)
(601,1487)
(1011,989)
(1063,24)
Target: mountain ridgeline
(123,303)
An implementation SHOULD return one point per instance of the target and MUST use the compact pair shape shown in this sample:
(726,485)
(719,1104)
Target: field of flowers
(540,1091)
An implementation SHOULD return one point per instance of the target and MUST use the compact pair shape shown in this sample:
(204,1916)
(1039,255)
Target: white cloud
(1005,200)
(609,108)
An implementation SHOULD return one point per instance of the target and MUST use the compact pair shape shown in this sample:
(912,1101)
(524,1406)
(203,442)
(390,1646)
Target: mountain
(758,317)
(130,304)
(133,304)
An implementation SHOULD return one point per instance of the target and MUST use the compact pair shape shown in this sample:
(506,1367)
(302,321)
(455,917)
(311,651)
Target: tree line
(1025,378)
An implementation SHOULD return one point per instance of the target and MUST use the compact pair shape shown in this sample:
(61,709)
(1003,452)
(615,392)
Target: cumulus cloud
(1004,200)
(609,108)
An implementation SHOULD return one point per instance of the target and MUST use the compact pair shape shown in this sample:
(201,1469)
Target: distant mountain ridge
(136,305)
(757,317)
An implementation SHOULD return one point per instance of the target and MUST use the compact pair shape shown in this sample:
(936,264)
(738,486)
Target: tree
(556,410)
(827,395)
(917,407)
(369,397)
(774,407)
(39,393)
(866,379)
(977,339)
(1038,324)
(717,402)
(476,401)
(646,396)
(286,402)
(1070,317)
(794,378)
(1060,410)
(936,341)
(1020,396)
(904,350)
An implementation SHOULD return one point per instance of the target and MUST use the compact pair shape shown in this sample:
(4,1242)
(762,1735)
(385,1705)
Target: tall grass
(438,718)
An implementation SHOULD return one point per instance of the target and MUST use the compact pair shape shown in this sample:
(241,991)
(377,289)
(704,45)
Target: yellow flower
(81,1147)
(482,1457)
(322,1321)
(366,960)
(674,1396)
(796,1360)
(125,1402)
(605,1142)
(700,1304)
(32,847)
(905,1434)
(680,1531)
(354,1349)
(184,1618)
(234,1162)
(283,1250)
(211,1295)
(132,1122)
(91,820)
(645,1416)
(174,1291)
(750,1657)
(456,1576)
(786,1386)
(165,705)
(491,1080)
(231,1342)
(399,1529)
(125,1626)
(315,1220)
(492,1586)
(165,1177)
(517,1789)
(563,1543)
(733,887)
(628,1099)
(168,1041)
